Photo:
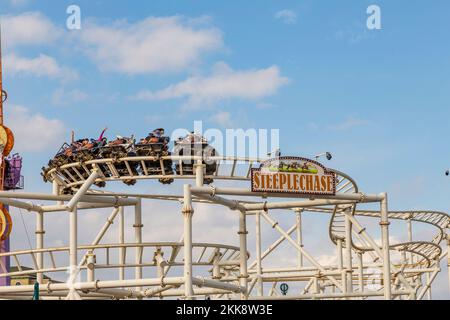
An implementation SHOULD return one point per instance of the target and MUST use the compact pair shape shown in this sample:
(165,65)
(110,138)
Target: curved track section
(205,254)
(437,219)
(74,174)
(344,184)
(421,254)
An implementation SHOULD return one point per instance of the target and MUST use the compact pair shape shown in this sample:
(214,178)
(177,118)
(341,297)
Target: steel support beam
(188,212)
(40,245)
(243,275)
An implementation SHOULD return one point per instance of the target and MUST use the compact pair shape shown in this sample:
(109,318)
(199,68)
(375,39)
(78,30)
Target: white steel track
(365,267)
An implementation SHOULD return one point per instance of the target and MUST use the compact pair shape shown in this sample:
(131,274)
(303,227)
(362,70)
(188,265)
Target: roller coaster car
(117,149)
(90,150)
(195,145)
(65,155)
(156,146)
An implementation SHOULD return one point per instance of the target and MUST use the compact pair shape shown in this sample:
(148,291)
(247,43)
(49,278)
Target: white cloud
(287,16)
(223,84)
(42,65)
(393,240)
(62,97)
(151,45)
(34,132)
(222,118)
(327,259)
(30,28)
(18,3)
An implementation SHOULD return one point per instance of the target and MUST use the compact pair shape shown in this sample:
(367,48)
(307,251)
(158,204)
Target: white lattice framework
(404,271)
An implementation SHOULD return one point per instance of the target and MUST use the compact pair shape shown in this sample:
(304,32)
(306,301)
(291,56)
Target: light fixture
(327,155)
(277,153)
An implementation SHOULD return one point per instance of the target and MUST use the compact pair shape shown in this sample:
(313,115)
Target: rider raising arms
(102,134)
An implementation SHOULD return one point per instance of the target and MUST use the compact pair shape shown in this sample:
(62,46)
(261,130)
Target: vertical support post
(243,275)
(404,257)
(160,263)
(91,260)
(448,258)
(199,172)
(73,234)
(138,238)
(73,254)
(360,272)
(55,188)
(348,255)
(258,255)
(121,241)
(299,238)
(341,265)
(188,212)
(40,245)
(57,191)
(216,267)
(384,223)
(410,238)
(316,287)
(429,286)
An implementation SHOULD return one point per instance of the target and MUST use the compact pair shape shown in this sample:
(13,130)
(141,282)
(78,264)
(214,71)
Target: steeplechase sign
(293,175)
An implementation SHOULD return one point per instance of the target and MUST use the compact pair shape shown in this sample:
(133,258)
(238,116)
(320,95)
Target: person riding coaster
(195,145)
(66,154)
(122,147)
(84,149)
(156,141)
(90,150)
(156,145)
(81,150)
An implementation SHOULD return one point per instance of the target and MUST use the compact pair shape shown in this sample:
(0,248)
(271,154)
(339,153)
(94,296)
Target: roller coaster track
(205,254)
(74,174)
(344,184)
(425,253)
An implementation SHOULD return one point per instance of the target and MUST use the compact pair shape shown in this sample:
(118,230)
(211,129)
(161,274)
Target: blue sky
(377,99)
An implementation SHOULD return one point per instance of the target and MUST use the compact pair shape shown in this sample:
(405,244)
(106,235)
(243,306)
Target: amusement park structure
(367,263)
(365,267)
(10,178)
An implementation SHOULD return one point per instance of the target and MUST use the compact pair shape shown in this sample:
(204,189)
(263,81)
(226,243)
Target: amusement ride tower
(9,178)
(4,243)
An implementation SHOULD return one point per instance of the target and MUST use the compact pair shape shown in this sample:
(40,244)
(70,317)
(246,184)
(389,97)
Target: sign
(293,175)
(284,288)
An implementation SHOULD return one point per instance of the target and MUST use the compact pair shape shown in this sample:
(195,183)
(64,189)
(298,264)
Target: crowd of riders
(155,144)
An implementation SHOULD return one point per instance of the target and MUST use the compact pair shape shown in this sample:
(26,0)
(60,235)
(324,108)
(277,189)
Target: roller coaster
(366,263)
(154,148)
